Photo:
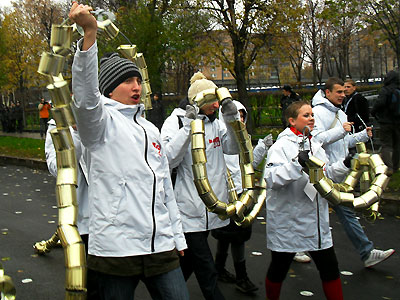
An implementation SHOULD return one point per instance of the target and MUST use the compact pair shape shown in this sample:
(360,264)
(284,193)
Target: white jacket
(195,217)
(336,141)
(82,188)
(132,208)
(295,221)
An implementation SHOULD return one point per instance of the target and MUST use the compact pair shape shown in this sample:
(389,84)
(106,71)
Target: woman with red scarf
(297,217)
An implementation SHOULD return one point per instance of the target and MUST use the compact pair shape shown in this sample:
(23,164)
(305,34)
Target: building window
(212,69)
(213,75)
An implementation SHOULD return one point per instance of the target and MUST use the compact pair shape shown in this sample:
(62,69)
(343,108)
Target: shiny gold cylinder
(346,197)
(199,171)
(209,199)
(51,64)
(108,28)
(197,126)
(315,174)
(198,141)
(316,163)
(355,164)
(146,86)
(68,234)
(140,61)
(59,93)
(380,170)
(363,159)
(375,160)
(203,186)
(61,51)
(232,193)
(239,208)
(230,209)
(75,255)
(246,157)
(248,181)
(377,189)
(67,176)
(247,199)
(61,36)
(75,279)
(145,75)
(365,181)
(199,156)
(324,186)
(381,180)
(366,199)
(333,197)
(66,195)
(67,215)
(63,116)
(205,97)
(361,148)
(220,208)
(127,51)
(352,179)
(222,94)
(75,295)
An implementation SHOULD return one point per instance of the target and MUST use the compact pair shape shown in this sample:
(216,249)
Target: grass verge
(22,147)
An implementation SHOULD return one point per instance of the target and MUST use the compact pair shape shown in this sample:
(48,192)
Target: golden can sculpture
(7,289)
(244,210)
(368,169)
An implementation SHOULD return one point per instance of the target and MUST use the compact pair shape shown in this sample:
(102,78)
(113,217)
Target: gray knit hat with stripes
(113,71)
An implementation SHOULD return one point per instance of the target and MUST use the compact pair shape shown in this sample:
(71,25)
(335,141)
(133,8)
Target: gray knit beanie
(113,71)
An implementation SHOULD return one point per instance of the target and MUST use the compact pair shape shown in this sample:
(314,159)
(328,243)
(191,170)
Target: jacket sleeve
(325,135)
(229,144)
(259,152)
(352,139)
(174,214)
(280,170)
(176,140)
(50,152)
(89,110)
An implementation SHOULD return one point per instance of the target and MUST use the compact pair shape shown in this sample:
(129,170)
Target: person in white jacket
(297,217)
(333,131)
(135,232)
(232,234)
(196,219)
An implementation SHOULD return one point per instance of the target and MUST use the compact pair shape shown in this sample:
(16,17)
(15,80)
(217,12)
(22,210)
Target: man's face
(285,93)
(210,108)
(128,92)
(337,95)
(349,89)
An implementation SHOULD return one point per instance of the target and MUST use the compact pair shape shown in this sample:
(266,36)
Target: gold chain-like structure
(51,65)
(369,169)
(244,210)
(7,289)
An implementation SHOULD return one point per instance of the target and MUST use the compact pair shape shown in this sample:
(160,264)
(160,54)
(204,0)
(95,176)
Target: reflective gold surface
(205,97)
(61,36)
(59,93)
(51,64)
(127,51)
(109,30)
(222,94)
(7,289)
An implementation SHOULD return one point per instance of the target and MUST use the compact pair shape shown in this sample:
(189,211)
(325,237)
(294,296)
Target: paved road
(28,214)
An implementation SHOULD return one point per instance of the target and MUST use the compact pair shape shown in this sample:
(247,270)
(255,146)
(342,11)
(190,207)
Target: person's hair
(292,111)
(331,82)
(288,88)
(351,81)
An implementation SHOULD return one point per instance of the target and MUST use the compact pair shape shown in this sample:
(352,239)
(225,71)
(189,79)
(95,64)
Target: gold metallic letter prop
(243,210)
(369,169)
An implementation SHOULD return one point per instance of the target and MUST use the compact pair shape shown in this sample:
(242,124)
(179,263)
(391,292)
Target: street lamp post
(380,60)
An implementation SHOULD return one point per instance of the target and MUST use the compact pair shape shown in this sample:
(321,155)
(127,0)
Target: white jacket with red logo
(194,215)
(132,208)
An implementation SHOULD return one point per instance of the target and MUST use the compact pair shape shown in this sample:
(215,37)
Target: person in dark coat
(355,106)
(157,114)
(389,121)
(19,117)
(288,97)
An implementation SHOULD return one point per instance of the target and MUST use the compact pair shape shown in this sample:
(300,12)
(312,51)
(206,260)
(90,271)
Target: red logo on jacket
(216,142)
(158,148)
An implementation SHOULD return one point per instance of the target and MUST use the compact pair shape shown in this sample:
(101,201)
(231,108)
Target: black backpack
(394,104)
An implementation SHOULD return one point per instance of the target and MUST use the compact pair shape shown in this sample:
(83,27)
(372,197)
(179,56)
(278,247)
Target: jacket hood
(239,106)
(392,77)
(320,99)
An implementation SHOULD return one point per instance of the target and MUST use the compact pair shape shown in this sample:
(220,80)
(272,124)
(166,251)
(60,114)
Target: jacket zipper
(154,184)
(206,219)
(318,223)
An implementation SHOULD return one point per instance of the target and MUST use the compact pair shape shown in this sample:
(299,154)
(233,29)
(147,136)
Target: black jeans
(198,259)
(43,126)
(390,139)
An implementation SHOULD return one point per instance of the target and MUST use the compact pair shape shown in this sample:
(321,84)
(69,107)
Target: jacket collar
(320,99)
(126,110)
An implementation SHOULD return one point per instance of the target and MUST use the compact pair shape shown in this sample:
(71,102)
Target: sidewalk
(24,134)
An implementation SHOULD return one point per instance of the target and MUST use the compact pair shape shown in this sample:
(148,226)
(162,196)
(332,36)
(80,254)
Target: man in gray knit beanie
(115,70)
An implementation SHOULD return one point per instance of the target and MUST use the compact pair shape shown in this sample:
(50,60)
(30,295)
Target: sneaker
(226,276)
(246,286)
(301,257)
(377,256)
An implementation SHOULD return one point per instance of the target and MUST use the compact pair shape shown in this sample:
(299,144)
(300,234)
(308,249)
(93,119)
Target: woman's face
(304,118)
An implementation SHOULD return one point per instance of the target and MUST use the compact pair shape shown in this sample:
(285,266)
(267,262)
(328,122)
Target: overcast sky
(5,3)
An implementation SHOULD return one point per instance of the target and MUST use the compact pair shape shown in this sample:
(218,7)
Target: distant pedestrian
(288,97)
(386,110)
(355,106)
(44,108)
(157,114)
(11,118)
(19,117)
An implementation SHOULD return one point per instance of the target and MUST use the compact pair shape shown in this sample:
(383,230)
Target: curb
(27,162)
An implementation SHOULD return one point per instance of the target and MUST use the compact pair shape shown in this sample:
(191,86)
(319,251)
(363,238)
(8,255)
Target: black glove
(303,158)
(347,160)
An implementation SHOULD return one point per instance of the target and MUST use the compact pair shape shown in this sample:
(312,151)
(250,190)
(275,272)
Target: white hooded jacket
(297,217)
(194,215)
(132,208)
(336,141)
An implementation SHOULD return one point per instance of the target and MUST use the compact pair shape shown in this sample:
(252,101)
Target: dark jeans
(166,286)
(390,139)
(43,127)
(198,259)
(325,260)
